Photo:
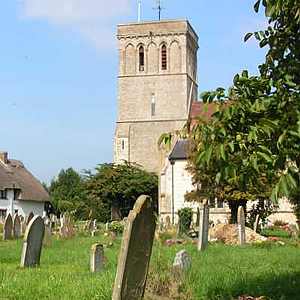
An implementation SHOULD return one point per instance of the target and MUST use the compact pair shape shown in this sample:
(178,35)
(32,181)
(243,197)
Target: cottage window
(2,213)
(3,194)
(141,59)
(164,62)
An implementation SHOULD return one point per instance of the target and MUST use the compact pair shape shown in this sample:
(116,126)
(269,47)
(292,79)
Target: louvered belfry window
(141,59)
(164,57)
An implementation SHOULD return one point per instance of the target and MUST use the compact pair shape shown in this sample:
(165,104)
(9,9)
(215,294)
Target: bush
(185,219)
(117,227)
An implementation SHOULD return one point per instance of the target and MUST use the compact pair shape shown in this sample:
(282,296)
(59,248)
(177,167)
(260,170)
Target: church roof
(13,175)
(180,150)
(198,110)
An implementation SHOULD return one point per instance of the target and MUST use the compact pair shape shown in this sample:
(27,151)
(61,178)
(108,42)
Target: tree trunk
(234,205)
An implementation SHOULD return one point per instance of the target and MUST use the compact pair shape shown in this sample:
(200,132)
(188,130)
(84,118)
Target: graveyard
(265,270)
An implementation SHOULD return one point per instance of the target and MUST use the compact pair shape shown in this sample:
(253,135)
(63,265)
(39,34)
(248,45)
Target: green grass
(221,272)
(275,232)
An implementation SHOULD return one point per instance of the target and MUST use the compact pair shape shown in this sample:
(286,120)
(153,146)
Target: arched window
(164,62)
(141,58)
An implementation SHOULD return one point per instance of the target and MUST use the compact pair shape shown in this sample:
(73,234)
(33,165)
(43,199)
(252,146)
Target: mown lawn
(221,272)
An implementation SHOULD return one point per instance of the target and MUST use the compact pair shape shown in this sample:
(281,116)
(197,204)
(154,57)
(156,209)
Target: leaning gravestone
(96,258)
(17,226)
(256,223)
(241,226)
(8,228)
(203,226)
(29,217)
(33,240)
(135,251)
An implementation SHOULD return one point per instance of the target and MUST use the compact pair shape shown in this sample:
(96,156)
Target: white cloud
(94,19)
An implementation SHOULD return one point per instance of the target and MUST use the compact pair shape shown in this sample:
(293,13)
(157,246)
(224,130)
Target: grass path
(221,272)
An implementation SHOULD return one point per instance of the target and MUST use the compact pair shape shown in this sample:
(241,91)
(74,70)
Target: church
(157,93)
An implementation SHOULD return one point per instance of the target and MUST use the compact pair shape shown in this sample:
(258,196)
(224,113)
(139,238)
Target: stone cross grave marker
(135,251)
(33,240)
(182,261)
(8,228)
(241,226)
(17,226)
(29,217)
(203,226)
(96,258)
(256,223)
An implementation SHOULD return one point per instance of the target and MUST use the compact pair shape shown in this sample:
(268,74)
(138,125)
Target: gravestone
(256,223)
(241,226)
(107,226)
(94,227)
(168,222)
(47,241)
(135,251)
(29,217)
(182,261)
(17,226)
(97,258)
(8,228)
(33,240)
(203,226)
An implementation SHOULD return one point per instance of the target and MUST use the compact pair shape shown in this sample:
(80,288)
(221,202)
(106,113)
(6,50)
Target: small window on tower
(141,59)
(164,57)
(153,105)
(123,144)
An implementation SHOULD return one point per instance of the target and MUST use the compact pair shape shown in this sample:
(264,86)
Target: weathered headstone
(94,227)
(33,240)
(97,258)
(182,261)
(8,228)
(135,251)
(203,226)
(256,223)
(168,222)
(29,217)
(47,241)
(241,226)
(106,226)
(17,226)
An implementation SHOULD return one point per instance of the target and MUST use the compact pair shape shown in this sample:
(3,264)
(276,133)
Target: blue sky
(58,71)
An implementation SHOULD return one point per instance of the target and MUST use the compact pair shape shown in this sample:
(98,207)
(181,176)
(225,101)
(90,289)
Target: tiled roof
(180,150)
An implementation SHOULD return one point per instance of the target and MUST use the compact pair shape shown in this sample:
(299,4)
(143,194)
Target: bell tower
(157,83)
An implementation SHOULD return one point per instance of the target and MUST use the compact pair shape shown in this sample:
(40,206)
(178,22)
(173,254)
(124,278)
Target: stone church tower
(156,85)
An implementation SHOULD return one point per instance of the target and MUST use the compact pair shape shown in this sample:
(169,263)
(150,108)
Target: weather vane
(159,8)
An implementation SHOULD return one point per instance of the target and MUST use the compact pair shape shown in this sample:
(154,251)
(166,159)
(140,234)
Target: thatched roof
(13,175)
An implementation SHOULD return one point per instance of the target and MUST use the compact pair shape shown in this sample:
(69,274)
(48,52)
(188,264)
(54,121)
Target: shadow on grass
(281,287)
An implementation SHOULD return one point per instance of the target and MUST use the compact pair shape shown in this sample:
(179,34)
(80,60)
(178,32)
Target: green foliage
(185,219)
(67,192)
(251,145)
(113,190)
(262,208)
(117,227)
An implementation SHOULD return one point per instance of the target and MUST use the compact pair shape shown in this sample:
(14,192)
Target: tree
(251,145)
(253,140)
(113,189)
(67,193)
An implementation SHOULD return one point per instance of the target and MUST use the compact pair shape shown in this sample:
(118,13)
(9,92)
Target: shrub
(117,227)
(185,219)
